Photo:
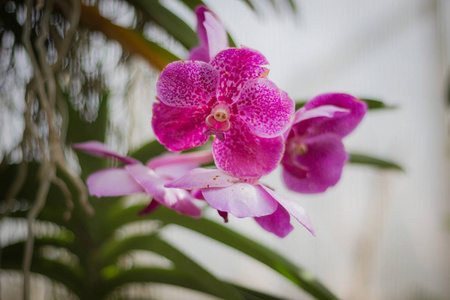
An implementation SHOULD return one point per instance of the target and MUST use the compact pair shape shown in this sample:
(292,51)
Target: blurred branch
(44,84)
(15,188)
(131,40)
(45,166)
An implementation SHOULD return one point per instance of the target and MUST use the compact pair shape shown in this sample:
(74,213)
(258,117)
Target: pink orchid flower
(135,177)
(244,197)
(211,34)
(315,154)
(229,98)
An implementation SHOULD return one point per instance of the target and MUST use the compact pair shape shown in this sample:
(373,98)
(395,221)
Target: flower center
(218,121)
(299,148)
(221,115)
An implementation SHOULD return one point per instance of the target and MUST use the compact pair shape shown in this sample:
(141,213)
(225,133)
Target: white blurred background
(380,234)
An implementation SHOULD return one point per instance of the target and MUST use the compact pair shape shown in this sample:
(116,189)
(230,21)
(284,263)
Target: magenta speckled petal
(112,182)
(278,223)
(295,209)
(265,108)
(244,154)
(179,129)
(324,161)
(187,84)
(152,184)
(340,124)
(241,200)
(203,178)
(236,67)
(99,149)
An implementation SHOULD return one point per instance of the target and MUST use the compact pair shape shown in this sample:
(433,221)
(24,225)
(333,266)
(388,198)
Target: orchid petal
(200,12)
(265,108)
(295,209)
(179,128)
(244,154)
(278,223)
(224,215)
(152,184)
(327,111)
(197,158)
(151,207)
(203,178)
(197,194)
(211,32)
(99,149)
(112,182)
(323,161)
(173,165)
(184,205)
(340,124)
(241,200)
(236,67)
(200,53)
(187,84)
(217,35)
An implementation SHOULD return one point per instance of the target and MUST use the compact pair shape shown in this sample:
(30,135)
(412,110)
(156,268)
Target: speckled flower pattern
(231,98)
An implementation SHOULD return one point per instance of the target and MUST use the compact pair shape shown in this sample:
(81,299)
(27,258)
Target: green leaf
(71,277)
(250,4)
(357,158)
(192,4)
(377,104)
(171,277)
(293,6)
(371,104)
(120,216)
(131,40)
(111,251)
(176,27)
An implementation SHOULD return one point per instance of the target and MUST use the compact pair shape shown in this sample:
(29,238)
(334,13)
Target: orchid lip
(297,146)
(218,120)
(300,149)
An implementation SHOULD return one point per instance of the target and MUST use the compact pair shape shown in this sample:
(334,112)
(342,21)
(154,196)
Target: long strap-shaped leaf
(75,281)
(172,277)
(176,27)
(131,40)
(364,159)
(110,252)
(220,233)
(70,276)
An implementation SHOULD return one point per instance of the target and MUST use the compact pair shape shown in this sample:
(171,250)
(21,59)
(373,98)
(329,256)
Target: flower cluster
(224,93)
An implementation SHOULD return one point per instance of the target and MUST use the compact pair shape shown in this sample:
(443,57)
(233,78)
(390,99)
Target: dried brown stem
(47,169)
(67,195)
(15,188)
(46,174)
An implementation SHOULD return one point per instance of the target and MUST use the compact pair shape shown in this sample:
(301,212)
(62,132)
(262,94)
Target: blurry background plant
(67,74)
